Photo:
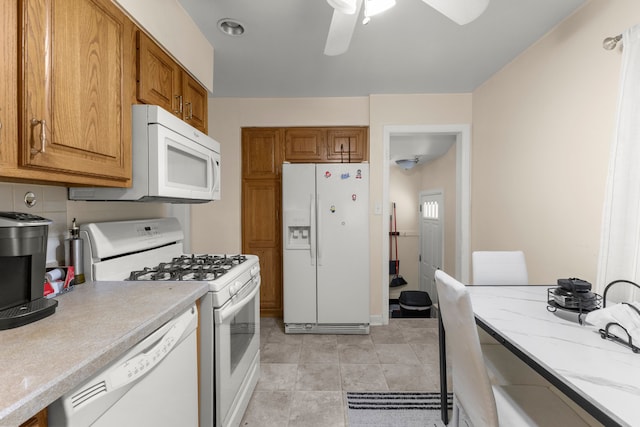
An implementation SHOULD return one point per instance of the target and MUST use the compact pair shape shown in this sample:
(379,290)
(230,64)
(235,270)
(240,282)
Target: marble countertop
(603,372)
(93,325)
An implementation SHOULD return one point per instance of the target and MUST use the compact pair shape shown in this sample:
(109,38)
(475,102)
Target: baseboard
(326,328)
(376,319)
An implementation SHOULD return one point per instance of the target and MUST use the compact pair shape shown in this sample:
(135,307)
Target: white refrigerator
(326,248)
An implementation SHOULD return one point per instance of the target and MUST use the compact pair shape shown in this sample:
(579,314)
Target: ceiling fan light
(374,7)
(348,7)
(407,163)
(459,11)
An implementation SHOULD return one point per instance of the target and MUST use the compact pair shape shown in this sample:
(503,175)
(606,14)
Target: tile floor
(305,378)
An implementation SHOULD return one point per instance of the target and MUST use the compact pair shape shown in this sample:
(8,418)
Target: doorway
(462,196)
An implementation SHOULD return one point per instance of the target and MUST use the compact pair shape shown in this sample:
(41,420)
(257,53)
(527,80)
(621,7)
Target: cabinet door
(261,232)
(261,158)
(158,76)
(348,144)
(8,84)
(195,102)
(38,420)
(161,81)
(304,145)
(76,95)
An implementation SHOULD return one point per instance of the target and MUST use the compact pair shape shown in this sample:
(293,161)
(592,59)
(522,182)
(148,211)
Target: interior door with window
(431,239)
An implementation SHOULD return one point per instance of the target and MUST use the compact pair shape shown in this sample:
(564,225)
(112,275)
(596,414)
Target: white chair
(502,268)
(499,268)
(476,400)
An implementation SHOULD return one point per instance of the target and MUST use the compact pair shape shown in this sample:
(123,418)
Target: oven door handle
(234,305)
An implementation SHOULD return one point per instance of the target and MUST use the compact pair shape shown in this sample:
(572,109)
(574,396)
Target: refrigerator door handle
(312,240)
(318,229)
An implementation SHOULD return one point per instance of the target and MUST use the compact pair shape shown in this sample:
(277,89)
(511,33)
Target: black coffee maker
(23,257)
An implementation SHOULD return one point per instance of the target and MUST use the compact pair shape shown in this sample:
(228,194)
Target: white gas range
(151,249)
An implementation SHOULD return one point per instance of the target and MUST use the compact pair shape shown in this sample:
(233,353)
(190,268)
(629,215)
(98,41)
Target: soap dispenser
(74,252)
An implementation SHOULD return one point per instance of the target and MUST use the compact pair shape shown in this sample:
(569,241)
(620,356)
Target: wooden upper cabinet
(195,98)
(75,99)
(158,77)
(326,145)
(304,145)
(161,81)
(347,145)
(261,158)
(8,84)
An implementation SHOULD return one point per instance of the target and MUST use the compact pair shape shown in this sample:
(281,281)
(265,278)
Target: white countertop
(93,325)
(602,371)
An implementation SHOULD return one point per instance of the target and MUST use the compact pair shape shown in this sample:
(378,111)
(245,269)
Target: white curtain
(620,240)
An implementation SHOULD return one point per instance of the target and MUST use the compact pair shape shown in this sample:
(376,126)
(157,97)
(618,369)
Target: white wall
(393,110)
(541,133)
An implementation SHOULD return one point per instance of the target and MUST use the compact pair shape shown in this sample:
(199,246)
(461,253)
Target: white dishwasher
(153,384)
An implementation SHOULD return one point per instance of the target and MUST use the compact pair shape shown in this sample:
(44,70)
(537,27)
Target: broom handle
(390,237)
(395,235)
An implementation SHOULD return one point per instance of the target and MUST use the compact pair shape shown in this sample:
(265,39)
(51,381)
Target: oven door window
(242,331)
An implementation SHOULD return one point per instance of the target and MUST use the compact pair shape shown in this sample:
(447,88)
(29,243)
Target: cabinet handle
(43,135)
(190,114)
(179,110)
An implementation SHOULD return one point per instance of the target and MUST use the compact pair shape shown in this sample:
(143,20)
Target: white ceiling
(409,49)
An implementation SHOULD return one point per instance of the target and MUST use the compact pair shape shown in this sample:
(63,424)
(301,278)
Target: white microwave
(172,162)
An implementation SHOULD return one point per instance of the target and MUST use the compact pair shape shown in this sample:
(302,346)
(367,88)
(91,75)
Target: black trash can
(415,304)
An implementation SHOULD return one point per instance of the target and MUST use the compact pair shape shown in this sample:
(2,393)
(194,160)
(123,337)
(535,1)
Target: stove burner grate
(190,267)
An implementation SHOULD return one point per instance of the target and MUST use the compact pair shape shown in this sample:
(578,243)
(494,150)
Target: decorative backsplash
(46,201)
(51,202)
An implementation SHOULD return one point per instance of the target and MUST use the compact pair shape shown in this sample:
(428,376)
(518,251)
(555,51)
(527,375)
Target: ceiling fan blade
(459,11)
(341,31)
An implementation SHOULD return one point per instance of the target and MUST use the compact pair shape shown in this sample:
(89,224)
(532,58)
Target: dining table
(601,375)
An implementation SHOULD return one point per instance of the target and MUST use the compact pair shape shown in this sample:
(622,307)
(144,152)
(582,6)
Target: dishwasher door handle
(138,366)
(89,401)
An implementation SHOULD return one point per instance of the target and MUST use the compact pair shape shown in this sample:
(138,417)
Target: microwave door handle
(213,174)
(214,170)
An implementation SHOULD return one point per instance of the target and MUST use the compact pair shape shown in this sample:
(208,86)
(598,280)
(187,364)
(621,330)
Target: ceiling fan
(346,13)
